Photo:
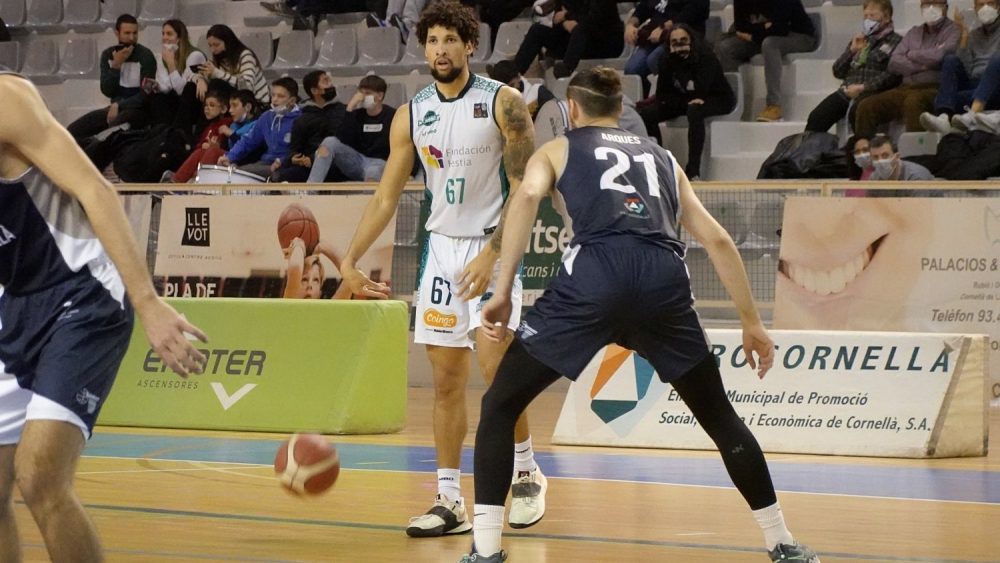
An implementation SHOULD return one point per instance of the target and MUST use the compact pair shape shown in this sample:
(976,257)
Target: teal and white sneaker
(793,552)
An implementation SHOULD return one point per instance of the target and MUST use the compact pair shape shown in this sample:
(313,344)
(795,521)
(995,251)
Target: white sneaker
(964,122)
(988,121)
(445,517)
(527,504)
(936,123)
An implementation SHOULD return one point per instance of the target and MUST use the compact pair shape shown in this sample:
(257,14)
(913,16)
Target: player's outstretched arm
(518,133)
(38,139)
(522,207)
(381,208)
(726,259)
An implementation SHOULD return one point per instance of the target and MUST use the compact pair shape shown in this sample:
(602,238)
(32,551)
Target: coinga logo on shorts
(437,319)
(196,225)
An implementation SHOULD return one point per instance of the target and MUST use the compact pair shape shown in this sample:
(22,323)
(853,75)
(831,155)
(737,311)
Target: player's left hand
(759,348)
(496,314)
(166,330)
(476,276)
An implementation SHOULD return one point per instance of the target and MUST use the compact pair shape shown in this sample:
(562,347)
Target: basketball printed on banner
(298,221)
(306,464)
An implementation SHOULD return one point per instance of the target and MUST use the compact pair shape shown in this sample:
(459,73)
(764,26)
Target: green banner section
(335,367)
(549,238)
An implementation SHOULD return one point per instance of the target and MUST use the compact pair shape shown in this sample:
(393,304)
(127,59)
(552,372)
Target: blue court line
(912,483)
(396,530)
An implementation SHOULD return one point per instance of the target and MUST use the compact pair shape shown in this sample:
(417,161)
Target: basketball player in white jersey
(67,259)
(473,137)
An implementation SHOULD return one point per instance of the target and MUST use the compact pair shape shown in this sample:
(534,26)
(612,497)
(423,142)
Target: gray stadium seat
(812,3)
(45,16)
(10,55)
(631,86)
(79,58)
(338,50)
(551,121)
(13,12)
(484,48)
(415,83)
(111,9)
(41,61)
(83,15)
(379,46)
(395,94)
(848,2)
(346,90)
(262,44)
(413,60)
(157,11)
(296,51)
(510,35)
(713,29)
(202,14)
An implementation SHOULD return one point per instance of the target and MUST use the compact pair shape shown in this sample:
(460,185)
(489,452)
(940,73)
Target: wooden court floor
(211,496)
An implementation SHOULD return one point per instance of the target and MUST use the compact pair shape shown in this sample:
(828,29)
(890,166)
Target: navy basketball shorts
(60,349)
(623,291)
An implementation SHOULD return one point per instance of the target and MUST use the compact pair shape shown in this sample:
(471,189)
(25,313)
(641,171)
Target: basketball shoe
(527,504)
(793,552)
(498,557)
(445,517)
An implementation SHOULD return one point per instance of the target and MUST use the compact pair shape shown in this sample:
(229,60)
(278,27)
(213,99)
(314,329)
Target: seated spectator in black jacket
(581,29)
(774,28)
(649,27)
(359,150)
(534,95)
(691,84)
(322,117)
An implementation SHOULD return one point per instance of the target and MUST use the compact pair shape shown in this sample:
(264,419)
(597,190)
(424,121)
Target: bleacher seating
(83,16)
(10,55)
(296,53)
(79,58)
(379,46)
(338,50)
(45,16)
(41,61)
(155,12)
(13,13)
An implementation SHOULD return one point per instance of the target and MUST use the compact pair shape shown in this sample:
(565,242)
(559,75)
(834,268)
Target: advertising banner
(137,210)
(892,264)
(222,246)
(549,238)
(841,393)
(274,365)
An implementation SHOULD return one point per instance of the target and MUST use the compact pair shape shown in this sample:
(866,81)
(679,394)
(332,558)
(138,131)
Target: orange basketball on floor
(306,464)
(297,221)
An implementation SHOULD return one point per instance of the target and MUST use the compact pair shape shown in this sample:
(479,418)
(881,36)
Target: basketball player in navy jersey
(67,259)
(622,280)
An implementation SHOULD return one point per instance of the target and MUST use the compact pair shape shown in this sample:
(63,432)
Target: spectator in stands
(233,62)
(774,28)
(888,165)
(360,148)
(272,133)
(691,83)
(649,27)
(859,166)
(322,117)
(971,78)
(174,70)
(243,109)
(863,67)
(126,69)
(917,59)
(534,95)
(209,146)
(496,12)
(580,29)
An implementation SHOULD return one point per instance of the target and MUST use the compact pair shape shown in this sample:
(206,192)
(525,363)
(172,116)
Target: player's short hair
(124,19)
(288,84)
(449,14)
(374,83)
(884,5)
(879,141)
(311,80)
(598,90)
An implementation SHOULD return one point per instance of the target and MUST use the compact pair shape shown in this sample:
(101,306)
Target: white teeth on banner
(834,280)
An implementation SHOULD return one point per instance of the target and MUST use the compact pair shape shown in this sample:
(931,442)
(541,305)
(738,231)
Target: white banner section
(841,393)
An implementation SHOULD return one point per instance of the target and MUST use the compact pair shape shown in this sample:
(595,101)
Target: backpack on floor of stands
(145,160)
(805,155)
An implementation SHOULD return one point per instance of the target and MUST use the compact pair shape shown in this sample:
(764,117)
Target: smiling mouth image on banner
(622,381)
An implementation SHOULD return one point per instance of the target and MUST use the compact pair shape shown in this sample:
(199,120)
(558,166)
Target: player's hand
(759,348)
(496,314)
(360,284)
(476,276)
(166,331)
(296,243)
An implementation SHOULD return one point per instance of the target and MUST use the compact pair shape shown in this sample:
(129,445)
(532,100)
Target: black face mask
(329,94)
(681,54)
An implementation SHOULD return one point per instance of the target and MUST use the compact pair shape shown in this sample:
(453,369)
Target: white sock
(524,456)
(773,524)
(450,483)
(487,525)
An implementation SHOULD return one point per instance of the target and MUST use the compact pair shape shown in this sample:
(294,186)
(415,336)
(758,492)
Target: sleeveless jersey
(46,238)
(460,147)
(617,184)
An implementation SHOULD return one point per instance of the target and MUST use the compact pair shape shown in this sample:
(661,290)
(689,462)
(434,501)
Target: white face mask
(884,167)
(932,15)
(281,110)
(171,46)
(987,15)
(368,102)
(869,26)
(863,160)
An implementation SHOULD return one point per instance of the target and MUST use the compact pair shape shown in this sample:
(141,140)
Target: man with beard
(474,136)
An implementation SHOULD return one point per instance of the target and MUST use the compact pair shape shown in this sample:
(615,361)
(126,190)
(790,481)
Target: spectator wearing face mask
(860,167)
(917,59)
(691,83)
(272,134)
(322,116)
(889,166)
(360,148)
(863,67)
(970,79)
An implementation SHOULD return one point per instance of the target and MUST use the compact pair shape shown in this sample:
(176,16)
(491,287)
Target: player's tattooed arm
(518,145)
